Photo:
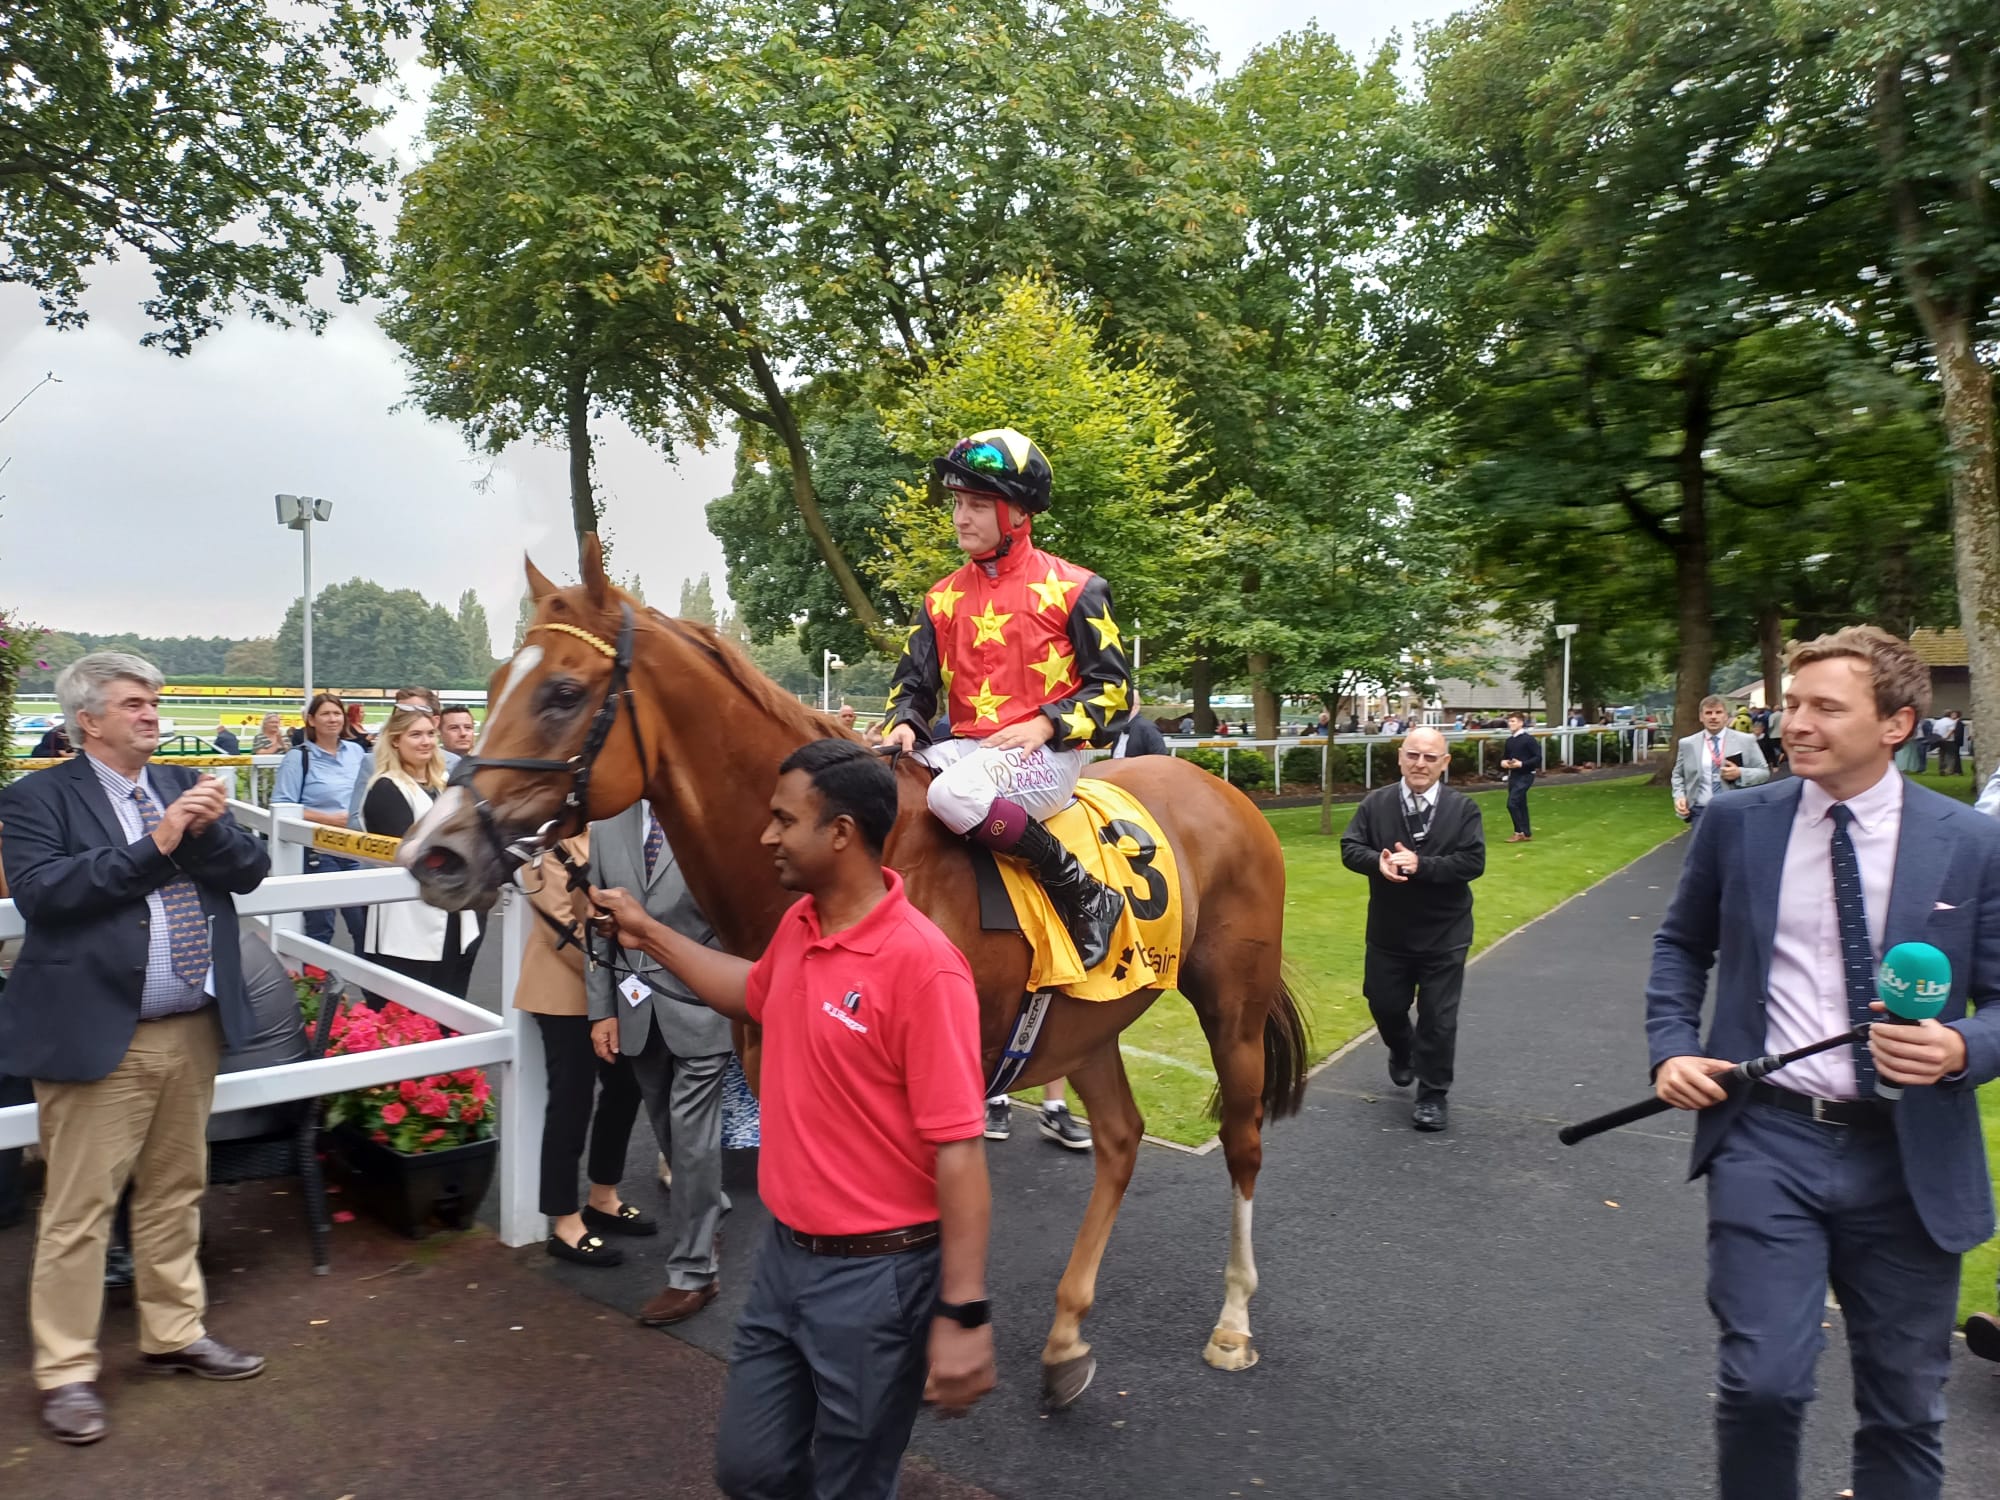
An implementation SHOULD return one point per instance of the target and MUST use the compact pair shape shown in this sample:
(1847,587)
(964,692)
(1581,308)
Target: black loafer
(588,1251)
(628,1220)
(1428,1114)
(1982,1335)
(1400,1072)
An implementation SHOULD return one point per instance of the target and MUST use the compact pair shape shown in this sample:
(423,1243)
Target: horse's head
(564,743)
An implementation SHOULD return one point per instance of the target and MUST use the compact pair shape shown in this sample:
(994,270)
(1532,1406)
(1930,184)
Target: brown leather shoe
(73,1413)
(677,1304)
(209,1358)
(1520,838)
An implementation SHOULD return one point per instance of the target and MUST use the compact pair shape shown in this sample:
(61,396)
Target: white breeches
(1042,781)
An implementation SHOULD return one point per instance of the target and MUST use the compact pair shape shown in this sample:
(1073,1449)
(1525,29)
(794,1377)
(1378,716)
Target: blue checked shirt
(166,993)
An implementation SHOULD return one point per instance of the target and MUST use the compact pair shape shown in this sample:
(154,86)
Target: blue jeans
(826,1374)
(319,924)
(1794,1205)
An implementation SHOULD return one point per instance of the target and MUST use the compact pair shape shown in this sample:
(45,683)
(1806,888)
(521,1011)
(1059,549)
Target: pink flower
(393,1114)
(343,1216)
(432,1137)
(435,1106)
(409,1089)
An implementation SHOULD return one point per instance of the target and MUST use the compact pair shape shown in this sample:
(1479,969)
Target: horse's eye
(564,695)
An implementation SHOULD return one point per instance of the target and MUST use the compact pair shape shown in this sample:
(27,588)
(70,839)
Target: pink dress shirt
(1807,999)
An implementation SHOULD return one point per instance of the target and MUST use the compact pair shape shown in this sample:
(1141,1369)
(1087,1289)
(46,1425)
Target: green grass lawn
(1582,833)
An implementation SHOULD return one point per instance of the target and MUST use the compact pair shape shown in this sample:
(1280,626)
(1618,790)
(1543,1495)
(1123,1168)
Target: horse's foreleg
(1239,1063)
(1115,1128)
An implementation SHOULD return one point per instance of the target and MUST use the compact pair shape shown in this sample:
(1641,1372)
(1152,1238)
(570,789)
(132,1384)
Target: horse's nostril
(437,861)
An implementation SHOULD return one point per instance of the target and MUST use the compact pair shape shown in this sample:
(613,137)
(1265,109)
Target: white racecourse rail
(503,1043)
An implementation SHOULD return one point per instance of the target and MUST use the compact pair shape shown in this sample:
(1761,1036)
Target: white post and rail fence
(501,1042)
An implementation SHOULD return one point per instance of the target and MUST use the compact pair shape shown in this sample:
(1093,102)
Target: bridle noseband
(578,767)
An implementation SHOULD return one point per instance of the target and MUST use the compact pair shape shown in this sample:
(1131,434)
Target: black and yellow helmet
(1001,462)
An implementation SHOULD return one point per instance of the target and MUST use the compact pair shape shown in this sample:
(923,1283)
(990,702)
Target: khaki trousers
(145,1122)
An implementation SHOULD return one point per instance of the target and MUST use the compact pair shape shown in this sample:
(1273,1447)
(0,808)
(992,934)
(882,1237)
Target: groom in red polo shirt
(873,1166)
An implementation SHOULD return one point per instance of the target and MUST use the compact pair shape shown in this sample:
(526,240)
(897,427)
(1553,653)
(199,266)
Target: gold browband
(583,635)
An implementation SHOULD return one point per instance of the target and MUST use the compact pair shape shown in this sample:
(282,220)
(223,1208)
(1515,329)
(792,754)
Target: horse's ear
(595,583)
(539,587)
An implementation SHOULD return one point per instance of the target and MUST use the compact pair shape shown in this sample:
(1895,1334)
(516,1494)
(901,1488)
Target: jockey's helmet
(1000,462)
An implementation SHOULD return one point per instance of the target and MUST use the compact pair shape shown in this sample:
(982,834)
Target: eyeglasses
(1422,757)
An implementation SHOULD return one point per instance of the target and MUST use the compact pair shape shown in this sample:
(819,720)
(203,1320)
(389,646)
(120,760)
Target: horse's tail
(1287,1055)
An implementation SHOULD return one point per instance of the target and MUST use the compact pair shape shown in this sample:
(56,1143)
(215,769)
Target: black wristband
(967,1314)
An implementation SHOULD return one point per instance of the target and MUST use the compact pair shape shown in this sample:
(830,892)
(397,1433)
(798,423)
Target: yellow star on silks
(986,703)
(992,626)
(945,599)
(945,675)
(894,693)
(1107,631)
(1052,591)
(1079,724)
(1055,667)
(1115,698)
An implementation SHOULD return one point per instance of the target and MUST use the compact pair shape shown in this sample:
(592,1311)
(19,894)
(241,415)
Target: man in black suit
(1421,845)
(128,981)
(1520,758)
(225,742)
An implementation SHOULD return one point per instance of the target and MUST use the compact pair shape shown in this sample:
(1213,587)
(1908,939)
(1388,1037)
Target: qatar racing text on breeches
(970,776)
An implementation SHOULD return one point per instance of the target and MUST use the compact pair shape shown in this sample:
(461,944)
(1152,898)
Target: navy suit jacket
(1946,891)
(71,1004)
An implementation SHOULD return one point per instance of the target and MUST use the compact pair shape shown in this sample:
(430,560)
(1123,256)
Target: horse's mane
(730,660)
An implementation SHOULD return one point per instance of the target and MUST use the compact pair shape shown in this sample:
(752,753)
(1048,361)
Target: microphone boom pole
(1743,1072)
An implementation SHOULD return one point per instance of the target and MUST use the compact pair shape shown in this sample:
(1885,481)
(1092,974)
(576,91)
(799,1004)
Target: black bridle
(578,767)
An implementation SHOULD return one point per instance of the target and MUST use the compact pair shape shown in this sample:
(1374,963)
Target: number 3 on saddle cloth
(1115,839)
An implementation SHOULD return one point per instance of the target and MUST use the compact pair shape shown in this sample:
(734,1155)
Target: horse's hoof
(1228,1350)
(1067,1379)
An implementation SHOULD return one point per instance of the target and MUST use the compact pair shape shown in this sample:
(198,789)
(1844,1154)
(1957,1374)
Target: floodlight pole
(299,512)
(1564,633)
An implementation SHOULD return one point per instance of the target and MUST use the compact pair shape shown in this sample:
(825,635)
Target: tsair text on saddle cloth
(1114,838)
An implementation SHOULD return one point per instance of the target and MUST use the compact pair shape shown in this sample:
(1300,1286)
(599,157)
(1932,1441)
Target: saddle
(1117,840)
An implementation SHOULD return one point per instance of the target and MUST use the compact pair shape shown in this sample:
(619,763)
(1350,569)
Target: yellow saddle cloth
(1118,841)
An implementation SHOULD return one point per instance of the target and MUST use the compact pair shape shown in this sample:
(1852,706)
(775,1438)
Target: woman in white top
(409,936)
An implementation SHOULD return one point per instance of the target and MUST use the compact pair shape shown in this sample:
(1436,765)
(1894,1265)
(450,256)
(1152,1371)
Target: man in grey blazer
(679,1050)
(1703,769)
(1814,1177)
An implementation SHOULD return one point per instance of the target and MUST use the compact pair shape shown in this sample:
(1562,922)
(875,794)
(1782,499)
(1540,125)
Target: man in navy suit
(128,982)
(1812,1177)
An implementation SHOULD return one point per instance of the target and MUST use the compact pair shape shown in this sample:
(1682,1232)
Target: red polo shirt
(871,1060)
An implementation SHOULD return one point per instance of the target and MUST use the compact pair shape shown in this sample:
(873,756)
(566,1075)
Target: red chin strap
(1008,538)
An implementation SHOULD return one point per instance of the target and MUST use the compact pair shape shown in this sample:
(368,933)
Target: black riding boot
(1089,908)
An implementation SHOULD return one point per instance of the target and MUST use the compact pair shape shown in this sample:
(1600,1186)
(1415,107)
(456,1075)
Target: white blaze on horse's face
(525,661)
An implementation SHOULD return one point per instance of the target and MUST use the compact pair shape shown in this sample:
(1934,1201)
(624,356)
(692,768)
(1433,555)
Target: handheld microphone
(1913,984)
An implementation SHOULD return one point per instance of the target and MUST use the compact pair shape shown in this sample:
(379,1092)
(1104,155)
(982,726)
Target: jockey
(1032,670)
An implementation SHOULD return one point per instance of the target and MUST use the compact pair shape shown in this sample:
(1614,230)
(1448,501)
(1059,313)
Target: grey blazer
(689,1028)
(1690,778)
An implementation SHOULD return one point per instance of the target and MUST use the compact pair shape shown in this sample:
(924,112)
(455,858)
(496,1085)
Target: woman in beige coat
(552,991)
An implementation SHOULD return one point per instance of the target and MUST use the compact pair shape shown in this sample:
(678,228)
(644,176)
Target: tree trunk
(1199,686)
(1967,388)
(1771,651)
(1696,611)
(1263,702)
(583,512)
(784,421)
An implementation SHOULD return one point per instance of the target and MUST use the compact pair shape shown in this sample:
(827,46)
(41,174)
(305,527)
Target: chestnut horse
(681,717)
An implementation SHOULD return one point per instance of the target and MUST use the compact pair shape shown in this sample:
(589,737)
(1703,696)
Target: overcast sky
(138,496)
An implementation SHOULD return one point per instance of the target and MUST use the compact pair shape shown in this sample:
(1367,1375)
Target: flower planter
(410,1193)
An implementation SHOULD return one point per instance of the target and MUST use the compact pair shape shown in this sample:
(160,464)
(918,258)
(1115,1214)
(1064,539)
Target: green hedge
(1249,770)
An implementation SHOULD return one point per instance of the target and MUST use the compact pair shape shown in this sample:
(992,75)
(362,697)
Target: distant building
(1943,651)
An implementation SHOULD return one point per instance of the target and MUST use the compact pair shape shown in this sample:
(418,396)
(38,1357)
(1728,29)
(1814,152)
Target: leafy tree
(697,600)
(367,636)
(257,660)
(781,191)
(476,633)
(221,140)
(1124,460)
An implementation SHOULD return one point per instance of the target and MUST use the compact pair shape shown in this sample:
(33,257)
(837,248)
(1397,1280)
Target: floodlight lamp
(290,507)
(1564,632)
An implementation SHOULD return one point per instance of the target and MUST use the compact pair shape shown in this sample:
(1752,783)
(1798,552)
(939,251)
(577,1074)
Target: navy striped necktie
(1857,956)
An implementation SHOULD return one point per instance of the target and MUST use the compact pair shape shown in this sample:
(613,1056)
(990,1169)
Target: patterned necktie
(1417,815)
(187,925)
(1857,958)
(656,844)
